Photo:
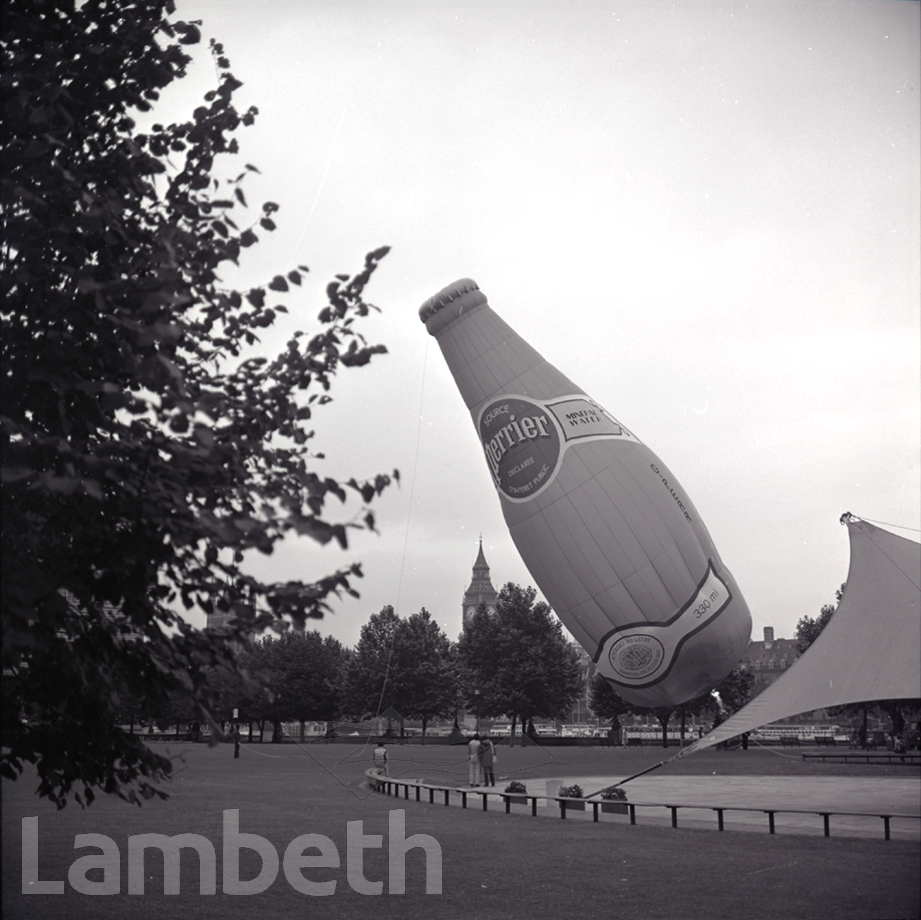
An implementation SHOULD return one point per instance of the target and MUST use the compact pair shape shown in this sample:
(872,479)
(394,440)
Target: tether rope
(412,492)
(896,526)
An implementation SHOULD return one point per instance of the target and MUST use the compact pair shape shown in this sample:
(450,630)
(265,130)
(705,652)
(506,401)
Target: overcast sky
(704,213)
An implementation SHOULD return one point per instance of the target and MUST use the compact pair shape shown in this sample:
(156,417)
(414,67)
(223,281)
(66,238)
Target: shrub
(614,793)
(515,786)
(571,792)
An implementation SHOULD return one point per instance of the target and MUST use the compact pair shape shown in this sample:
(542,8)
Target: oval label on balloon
(524,440)
(636,657)
(642,654)
(522,443)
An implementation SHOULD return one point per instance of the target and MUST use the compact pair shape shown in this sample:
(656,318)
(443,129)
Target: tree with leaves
(145,447)
(423,674)
(808,628)
(298,678)
(403,666)
(517,661)
(367,671)
(607,704)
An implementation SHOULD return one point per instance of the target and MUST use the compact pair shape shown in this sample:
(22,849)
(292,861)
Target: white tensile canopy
(869,650)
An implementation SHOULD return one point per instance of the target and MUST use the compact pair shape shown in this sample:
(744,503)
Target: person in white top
(474,750)
(380,758)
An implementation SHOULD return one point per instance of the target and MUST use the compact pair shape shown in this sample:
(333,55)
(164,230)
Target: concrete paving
(869,796)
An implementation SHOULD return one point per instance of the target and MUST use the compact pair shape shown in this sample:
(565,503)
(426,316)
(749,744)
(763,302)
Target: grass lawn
(494,865)
(756,761)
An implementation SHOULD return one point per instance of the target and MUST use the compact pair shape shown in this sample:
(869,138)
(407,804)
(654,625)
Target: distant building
(769,658)
(218,619)
(481,592)
(112,612)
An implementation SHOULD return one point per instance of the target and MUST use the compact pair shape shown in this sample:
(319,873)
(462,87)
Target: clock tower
(480,591)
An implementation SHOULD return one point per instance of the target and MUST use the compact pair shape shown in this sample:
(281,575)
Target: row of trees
(514,662)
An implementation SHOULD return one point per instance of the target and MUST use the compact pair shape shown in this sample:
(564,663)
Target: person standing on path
(488,758)
(474,751)
(380,758)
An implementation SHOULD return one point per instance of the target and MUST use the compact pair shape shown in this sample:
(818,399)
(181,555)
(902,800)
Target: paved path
(872,796)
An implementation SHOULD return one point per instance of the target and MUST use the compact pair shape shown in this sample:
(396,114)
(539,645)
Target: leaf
(91,487)
(278,283)
(191,34)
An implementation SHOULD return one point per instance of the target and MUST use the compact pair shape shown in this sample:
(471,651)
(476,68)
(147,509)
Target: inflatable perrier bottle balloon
(612,540)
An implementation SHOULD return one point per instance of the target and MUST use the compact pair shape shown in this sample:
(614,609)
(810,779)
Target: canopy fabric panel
(869,650)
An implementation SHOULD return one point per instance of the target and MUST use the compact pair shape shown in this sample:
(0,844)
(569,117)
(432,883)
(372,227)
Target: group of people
(482,757)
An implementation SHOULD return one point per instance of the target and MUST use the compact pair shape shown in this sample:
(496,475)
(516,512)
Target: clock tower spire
(481,591)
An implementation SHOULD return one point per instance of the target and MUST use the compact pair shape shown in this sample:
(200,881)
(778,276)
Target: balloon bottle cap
(450,303)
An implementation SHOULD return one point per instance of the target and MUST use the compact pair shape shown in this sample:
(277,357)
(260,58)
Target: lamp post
(476,709)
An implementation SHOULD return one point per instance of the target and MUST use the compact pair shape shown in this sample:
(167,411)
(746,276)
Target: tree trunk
(527,734)
(511,735)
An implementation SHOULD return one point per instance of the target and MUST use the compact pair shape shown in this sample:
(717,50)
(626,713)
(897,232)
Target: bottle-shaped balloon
(607,533)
